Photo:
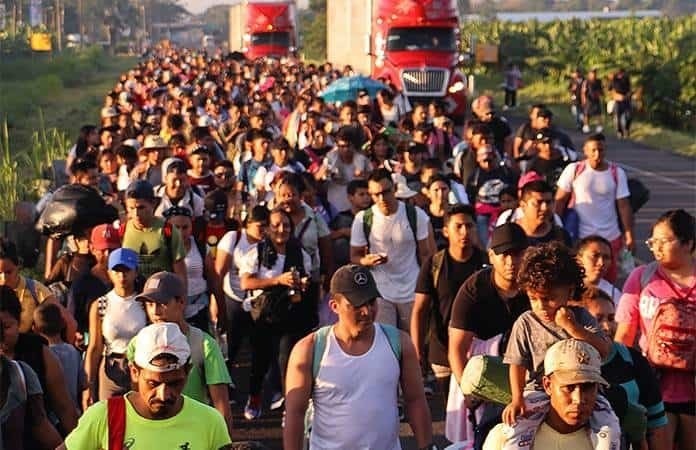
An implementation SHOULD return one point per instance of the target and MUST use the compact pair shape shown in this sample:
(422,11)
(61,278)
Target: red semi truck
(263,28)
(414,43)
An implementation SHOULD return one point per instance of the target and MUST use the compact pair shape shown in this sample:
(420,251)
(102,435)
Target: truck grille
(424,82)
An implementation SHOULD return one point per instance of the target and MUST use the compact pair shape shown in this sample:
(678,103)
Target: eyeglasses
(653,243)
(382,193)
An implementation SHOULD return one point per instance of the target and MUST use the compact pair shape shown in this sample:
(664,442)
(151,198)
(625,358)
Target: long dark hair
(82,145)
(267,253)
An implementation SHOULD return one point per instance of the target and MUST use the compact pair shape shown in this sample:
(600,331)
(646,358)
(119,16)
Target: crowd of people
(364,252)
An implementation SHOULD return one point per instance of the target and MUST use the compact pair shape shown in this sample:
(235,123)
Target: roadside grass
(555,96)
(43,104)
(67,91)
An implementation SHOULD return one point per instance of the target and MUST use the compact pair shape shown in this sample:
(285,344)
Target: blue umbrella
(347,88)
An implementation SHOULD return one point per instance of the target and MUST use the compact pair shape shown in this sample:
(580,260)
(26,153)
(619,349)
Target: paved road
(672,181)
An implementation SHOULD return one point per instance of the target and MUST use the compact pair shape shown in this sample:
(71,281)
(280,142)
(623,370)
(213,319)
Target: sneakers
(252,410)
(585,129)
(277,401)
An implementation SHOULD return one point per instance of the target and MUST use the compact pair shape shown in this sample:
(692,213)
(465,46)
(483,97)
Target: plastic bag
(626,262)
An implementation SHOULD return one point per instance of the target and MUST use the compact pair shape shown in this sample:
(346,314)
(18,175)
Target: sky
(198,6)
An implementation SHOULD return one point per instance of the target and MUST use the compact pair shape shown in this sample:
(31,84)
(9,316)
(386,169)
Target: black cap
(507,237)
(200,149)
(355,283)
(215,203)
(140,189)
(545,113)
(362,92)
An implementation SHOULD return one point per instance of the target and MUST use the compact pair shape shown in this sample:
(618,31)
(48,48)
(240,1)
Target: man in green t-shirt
(159,246)
(164,297)
(157,415)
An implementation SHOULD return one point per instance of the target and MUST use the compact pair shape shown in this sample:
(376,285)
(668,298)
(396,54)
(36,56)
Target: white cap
(161,339)
(402,190)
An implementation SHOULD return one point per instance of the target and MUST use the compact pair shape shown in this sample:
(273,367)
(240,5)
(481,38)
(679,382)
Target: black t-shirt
(556,233)
(550,169)
(341,246)
(438,224)
(501,130)
(478,307)
(82,293)
(442,292)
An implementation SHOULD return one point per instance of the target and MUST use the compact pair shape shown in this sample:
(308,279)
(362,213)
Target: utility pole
(59,27)
(80,30)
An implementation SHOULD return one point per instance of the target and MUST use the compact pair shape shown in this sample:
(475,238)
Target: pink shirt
(639,307)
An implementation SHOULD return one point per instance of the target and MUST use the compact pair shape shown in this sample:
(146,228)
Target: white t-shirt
(230,281)
(595,194)
(194,270)
(517,214)
(190,200)
(340,174)
(249,265)
(392,235)
(312,228)
(123,318)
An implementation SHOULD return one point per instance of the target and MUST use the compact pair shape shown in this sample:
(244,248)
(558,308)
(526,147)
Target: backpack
(318,350)
(322,334)
(639,194)
(116,421)
(411,215)
(672,339)
(31,286)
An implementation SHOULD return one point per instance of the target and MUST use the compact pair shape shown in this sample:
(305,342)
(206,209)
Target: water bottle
(294,293)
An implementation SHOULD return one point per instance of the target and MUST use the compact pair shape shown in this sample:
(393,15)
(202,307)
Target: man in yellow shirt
(572,375)
(157,415)
(31,293)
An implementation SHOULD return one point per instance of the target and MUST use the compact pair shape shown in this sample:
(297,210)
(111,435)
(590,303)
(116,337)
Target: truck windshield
(409,39)
(280,38)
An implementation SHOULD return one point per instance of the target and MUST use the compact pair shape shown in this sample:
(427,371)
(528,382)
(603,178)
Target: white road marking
(647,173)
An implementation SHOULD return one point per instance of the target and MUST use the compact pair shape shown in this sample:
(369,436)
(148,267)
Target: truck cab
(416,45)
(261,28)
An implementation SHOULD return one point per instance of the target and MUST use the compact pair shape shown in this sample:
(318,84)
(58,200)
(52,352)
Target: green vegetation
(69,89)
(659,54)
(43,103)
(555,96)
(312,25)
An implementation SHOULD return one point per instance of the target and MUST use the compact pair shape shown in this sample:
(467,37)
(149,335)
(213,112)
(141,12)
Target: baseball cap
(162,287)
(105,237)
(173,164)
(140,189)
(355,283)
(362,93)
(215,203)
(402,190)
(508,236)
(528,177)
(109,111)
(123,257)
(573,361)
(154,141)
(161,339)
(545,113)
(200,149)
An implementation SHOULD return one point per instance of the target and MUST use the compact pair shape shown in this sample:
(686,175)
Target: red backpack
(116,416)
(672,339)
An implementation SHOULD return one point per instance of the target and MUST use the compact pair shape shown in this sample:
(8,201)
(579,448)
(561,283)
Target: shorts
(686,408)
(394,314)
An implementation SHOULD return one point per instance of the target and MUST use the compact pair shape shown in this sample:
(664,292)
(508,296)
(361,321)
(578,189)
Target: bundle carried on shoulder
(74,208)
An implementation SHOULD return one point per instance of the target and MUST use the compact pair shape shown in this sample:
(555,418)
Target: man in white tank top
(355,390)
